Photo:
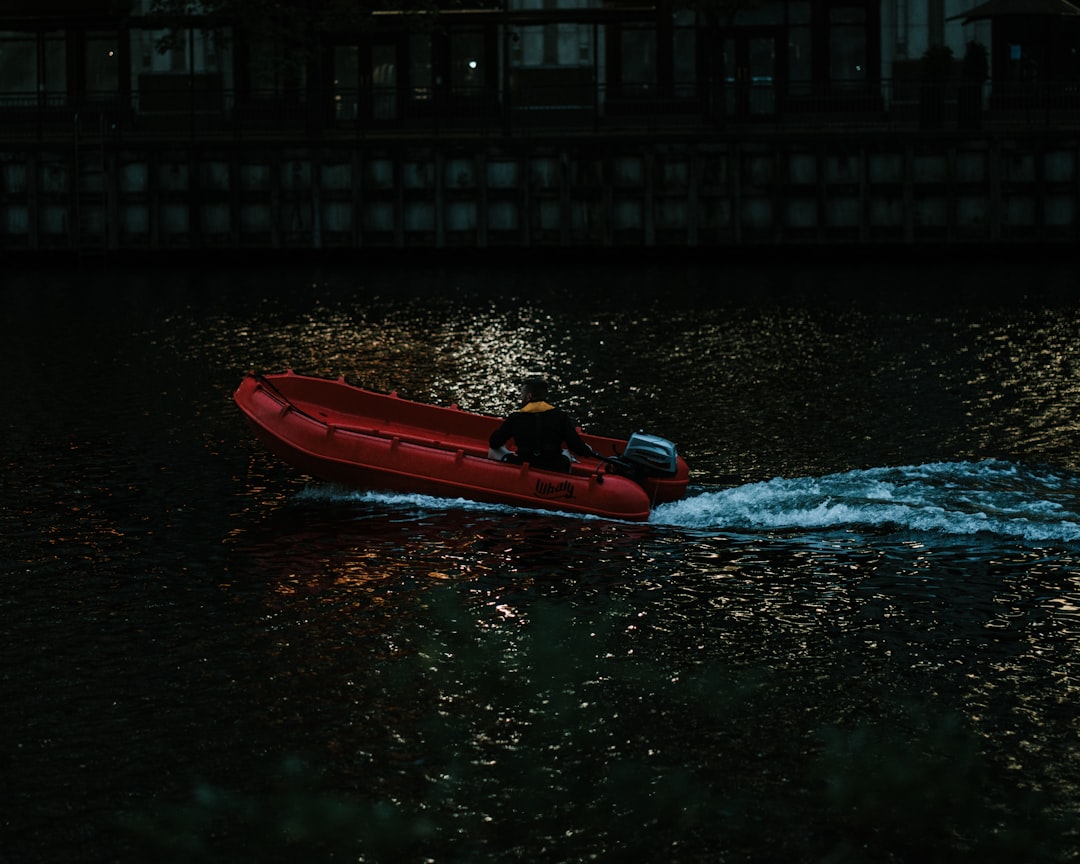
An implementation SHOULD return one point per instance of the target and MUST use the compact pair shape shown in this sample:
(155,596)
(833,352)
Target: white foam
(954,498)
(411,501)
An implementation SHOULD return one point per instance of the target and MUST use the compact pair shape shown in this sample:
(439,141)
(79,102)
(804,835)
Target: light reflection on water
(884,512)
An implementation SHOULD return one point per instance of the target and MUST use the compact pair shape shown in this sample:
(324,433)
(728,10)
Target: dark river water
(857,640)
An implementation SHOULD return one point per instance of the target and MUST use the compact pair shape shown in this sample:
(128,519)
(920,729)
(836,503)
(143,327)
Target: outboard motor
(645,456)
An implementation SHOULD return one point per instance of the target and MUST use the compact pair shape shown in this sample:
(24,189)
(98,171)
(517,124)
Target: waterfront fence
(188,110)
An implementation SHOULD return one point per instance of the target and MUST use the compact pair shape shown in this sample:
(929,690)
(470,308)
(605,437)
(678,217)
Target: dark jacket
(540,432)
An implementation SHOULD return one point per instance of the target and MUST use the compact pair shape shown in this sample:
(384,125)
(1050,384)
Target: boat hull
(367,440)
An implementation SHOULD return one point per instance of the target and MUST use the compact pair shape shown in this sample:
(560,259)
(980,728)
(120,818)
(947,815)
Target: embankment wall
(739,190)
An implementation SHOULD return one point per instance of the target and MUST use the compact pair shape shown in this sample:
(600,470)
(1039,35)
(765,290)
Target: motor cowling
(647,456)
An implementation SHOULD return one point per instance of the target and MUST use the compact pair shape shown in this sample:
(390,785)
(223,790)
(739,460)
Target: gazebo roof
(1001,8)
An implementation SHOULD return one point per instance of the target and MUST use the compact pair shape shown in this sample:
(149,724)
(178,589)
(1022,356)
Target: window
(847,44)
(562,43)
(102,66)
(33,67)
(685,63)
(18,67)
(175,51)
(800,68)
(346,81)
(768,13)
(467,63)
(54,75)
(565,44)
(420,75)
(178,69)
(275,70)
(638,43)
(384,66)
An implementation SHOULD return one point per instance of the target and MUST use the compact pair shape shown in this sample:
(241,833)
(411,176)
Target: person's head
(533,390)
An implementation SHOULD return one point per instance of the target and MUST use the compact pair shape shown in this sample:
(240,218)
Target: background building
(534,62)
(127,125)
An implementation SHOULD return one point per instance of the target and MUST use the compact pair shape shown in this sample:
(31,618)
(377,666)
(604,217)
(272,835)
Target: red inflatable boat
(367,440)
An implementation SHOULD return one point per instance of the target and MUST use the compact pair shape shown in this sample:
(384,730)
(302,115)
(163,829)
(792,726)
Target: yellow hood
(536,407)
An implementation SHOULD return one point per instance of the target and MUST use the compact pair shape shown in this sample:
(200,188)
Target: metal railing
(345,113)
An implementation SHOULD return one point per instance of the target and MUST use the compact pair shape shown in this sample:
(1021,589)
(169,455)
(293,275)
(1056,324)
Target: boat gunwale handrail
(443,445)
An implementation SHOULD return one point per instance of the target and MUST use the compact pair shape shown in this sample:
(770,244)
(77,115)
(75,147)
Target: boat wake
(944,498)
(955,498)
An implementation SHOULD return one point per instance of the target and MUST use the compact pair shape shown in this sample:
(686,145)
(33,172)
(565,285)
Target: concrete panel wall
(839,189)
